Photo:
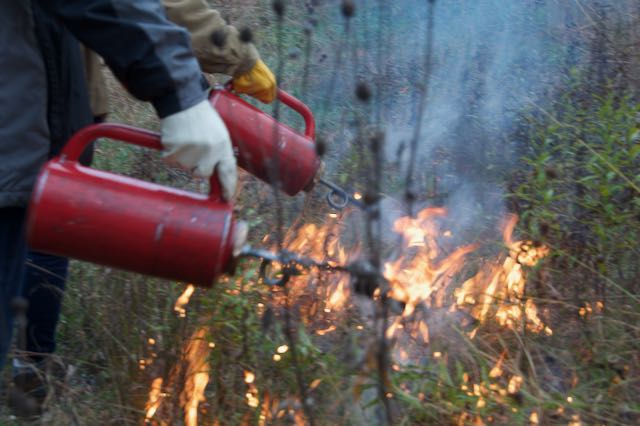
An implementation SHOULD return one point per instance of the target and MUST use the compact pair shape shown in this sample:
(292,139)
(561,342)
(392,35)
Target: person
(44,101)
(218,48)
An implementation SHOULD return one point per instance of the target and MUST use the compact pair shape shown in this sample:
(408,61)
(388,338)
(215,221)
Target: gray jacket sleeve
(151,56)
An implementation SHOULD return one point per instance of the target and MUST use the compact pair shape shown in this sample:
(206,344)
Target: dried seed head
(308,28)
(278,7)
(246,35)
(371,198)
(321,146)
(348,8)
(294,53)
(410,196)
(376,139)
(363,92)
(219,38)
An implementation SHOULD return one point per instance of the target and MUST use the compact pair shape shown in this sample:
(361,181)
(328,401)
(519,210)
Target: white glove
(197,140)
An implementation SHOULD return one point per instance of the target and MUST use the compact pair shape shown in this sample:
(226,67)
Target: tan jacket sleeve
(98,92)
(232,57)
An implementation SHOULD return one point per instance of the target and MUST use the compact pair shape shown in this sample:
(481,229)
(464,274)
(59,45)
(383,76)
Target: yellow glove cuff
(259,83)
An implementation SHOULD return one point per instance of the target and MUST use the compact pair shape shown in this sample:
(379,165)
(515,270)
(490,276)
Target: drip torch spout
(277,268)
(338,198)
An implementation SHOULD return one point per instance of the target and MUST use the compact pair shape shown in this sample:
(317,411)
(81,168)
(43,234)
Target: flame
(252,392)
(321,243)
(326,330)
(194,369)
(425,274)
(196,375)
(575,420)
(496,371)
(499,288)
(183,300)
(154,398)
(514,384)
(422,275)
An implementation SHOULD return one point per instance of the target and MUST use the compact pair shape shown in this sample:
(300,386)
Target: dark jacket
(43,95)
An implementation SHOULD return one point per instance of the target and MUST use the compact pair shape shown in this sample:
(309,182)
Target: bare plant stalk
(342,45)
(383,319)
(279,8)
(274,168)
(244,328)
(308,31)
(424,90)
(291,340)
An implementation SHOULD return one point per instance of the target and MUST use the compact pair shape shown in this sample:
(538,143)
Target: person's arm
(220,48)
(150,56)
(217,45)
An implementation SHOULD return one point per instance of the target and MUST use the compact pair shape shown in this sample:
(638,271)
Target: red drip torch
(258,139)
(273,151)
(118,221)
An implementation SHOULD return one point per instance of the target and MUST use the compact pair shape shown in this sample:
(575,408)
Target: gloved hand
(259,83)
(197,140)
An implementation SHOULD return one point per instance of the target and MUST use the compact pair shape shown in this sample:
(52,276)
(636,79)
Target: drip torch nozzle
(337,197)
(277,268)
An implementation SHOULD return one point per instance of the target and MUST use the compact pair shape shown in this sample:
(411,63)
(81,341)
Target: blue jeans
(13,250)
(43,287)
(38,277)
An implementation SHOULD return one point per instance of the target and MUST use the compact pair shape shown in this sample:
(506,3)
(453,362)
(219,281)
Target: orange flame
(154,398)
(423,275)
(500,288)
(183,300)
(196,375)
(321,243)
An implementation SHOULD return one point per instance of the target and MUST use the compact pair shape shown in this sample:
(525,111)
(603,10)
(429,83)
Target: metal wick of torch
(337,197)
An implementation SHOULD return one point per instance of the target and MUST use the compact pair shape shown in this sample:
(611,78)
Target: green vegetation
(288,356)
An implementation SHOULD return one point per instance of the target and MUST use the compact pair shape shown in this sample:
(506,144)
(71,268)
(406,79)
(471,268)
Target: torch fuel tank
(118,221)
(267,148)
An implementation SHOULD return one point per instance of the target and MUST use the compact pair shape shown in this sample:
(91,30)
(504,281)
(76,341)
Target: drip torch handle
(133,135)
(79,141)
(295,104)
(301,108)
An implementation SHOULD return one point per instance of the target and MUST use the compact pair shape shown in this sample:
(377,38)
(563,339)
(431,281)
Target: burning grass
(431,299)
